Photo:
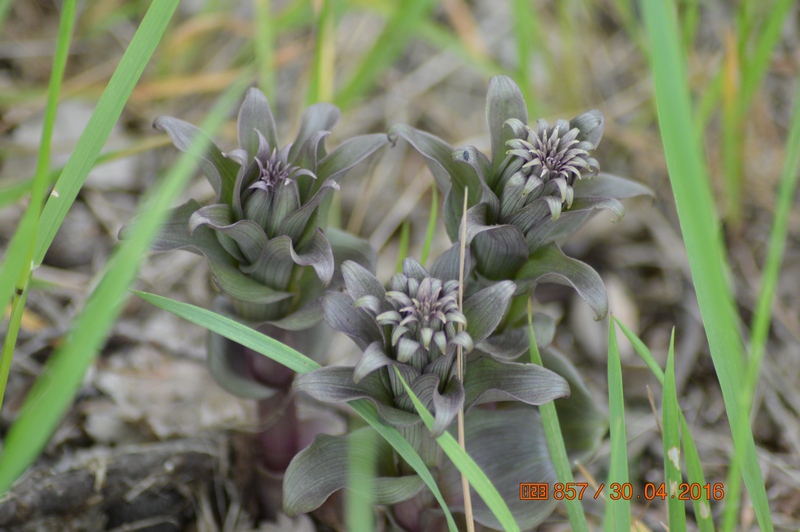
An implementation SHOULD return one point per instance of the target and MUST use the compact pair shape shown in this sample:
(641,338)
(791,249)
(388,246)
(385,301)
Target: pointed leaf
(339,313)
(487,380)
(348,154)
(591,125)
(256,115)
(248,235)
(486,308)
(446,265)
(296,223)
(446,406)
(511,344)
(550,230)
(240,286)
(439,158)
(360,282)
(318,117)
(335,384)
(373,358)
(220,171)
(503,101)
(610,186)
(550,265)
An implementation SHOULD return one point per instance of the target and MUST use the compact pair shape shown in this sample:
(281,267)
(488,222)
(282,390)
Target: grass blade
(692,190)
(618,512)
(672,444)
(694,468)
(555,441)
(299,363)
(431,229)
(102,120)
(465,464)
(17,266)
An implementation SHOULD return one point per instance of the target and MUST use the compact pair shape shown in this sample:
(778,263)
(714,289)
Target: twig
(460,363)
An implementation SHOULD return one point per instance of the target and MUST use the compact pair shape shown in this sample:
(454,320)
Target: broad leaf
(487,381)
(550,265)
(324,468)
(485,309)
(503,101)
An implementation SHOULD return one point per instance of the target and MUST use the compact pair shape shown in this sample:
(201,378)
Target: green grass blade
(63,374)
(777,244)
(299,363)
(17,266)
(694,468)
(264,42)
(320,88)
(431,229)
(102,120)
(555,441)
(402,248)
(692,190)
(359,514)
(400,27)
(466,465)
(618,512)
(672,444)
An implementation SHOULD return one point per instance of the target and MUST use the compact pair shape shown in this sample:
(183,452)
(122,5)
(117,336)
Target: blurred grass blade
(555,441)
(694,468)
(359,514)
(17,266)
(53,391)
(323,79)
(400,27)
(777,243)
(692,190)
(672,444)
(102,120)
(431,229)
(618,512)
(299,363)
(264,42)
(402,247)
(466,465)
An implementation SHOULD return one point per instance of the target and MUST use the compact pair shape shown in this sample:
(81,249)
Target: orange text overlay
(542,491)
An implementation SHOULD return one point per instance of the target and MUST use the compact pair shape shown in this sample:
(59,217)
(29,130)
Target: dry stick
(460,362)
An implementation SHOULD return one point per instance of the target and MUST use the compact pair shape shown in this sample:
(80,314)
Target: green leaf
(503,101)
(323,468)
(550,265)
(700,226)
(672,444)
(487,380)
(618,512)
